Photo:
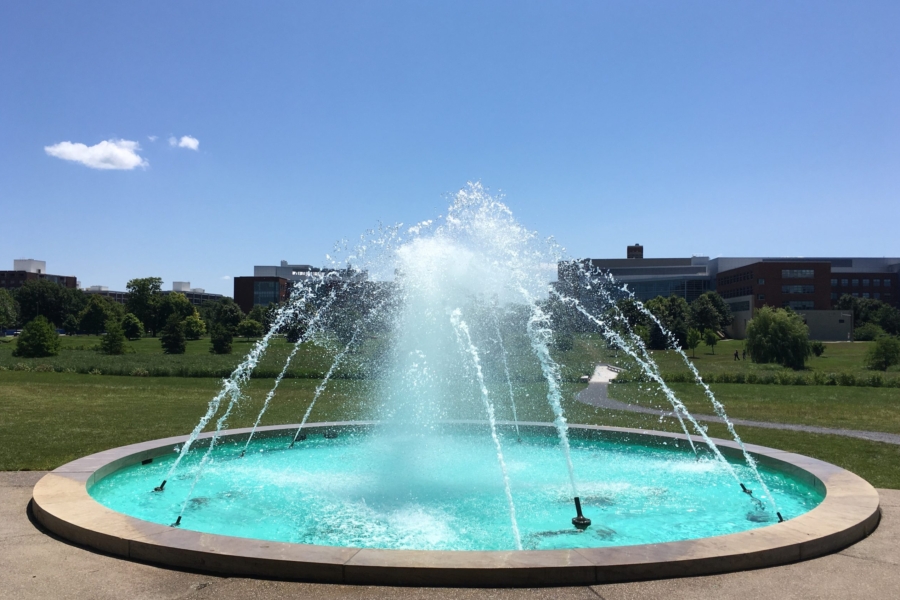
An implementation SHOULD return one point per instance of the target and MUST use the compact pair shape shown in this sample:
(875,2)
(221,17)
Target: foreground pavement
(35,564)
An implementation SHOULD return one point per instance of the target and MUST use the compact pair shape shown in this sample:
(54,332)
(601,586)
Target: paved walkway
(36,565)
(597,394)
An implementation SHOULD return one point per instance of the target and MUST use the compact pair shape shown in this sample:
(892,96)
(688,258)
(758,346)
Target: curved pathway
(597,394)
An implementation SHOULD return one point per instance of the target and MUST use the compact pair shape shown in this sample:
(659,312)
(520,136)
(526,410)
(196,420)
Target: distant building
(810,286)
(102,290)
(28,269)
(272,284)
(197,296)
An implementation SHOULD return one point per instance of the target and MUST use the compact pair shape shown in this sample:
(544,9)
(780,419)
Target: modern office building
(810,286)
(28,269)
(197,296)
(273,283)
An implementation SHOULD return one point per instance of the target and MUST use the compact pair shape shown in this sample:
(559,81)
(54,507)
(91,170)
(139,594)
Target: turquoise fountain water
(464,323)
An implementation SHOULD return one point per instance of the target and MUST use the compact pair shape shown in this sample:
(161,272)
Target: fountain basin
(848,512)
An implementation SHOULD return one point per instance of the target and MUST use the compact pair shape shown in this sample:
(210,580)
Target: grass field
(51,418)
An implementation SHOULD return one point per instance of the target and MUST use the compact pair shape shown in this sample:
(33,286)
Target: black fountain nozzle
(780,518)
(160,487)
(177,522)
(242,454)
(580,521)
(745,490)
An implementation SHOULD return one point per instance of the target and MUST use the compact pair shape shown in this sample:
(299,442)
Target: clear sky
(193,140)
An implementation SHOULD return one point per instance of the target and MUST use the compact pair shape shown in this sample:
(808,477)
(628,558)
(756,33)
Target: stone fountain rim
(849,512)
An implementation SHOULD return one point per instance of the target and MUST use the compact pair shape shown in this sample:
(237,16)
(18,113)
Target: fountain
(466,471)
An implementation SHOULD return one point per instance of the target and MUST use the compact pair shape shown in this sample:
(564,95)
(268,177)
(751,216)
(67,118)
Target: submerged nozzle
(160,487)
(745,490)
(177,522)
(242,454)
(780,518)
(580,521)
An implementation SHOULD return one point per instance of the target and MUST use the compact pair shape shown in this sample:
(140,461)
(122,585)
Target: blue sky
(716,128)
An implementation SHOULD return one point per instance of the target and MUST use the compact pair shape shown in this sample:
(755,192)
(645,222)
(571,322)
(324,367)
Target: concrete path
(35,565)
(597,394)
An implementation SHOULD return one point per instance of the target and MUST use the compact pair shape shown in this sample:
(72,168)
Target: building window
(797,273)
(834,283)
(740,306)
(865,283)
(856,283)
(761,297)
(797,289)
(265,293)
(800,304)
(760,281)
(877,296)
(887,283)
(865,294)
(876,282)
(834,296)
(855,294)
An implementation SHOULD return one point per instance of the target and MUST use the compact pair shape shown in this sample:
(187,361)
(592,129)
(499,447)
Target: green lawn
(865,408)
(51,418)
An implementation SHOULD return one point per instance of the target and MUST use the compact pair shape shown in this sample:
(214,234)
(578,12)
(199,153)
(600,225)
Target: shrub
(817,347)
(21,367)
(138,372)
(778,336)
(172,336)
(846,379)
(883,354)
(867,332)
(95,372)
(44,369)
(132,327)
(38,339)
(114,340)
(220,339)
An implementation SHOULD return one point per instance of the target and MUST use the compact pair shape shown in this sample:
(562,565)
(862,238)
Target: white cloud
(108,154)
(226,276)
(152,138)
(186,141)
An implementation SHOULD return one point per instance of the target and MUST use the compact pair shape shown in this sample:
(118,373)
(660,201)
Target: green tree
(173,303)
(220,339)
(249,328)
(172,336)
(722,308)
(9,311)
(38,339)
(39,297)
(710,338)
(228,314)
(114,340)
(194,327)
(70,325)
(93,318)
(693,340)
(703,315)
(264,314)
(144,296)
(888,318)
(776,335)
(673,313)
(884,353)
(867,332)
(132,327)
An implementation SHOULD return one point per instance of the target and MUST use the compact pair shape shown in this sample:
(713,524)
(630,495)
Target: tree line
(41,307)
